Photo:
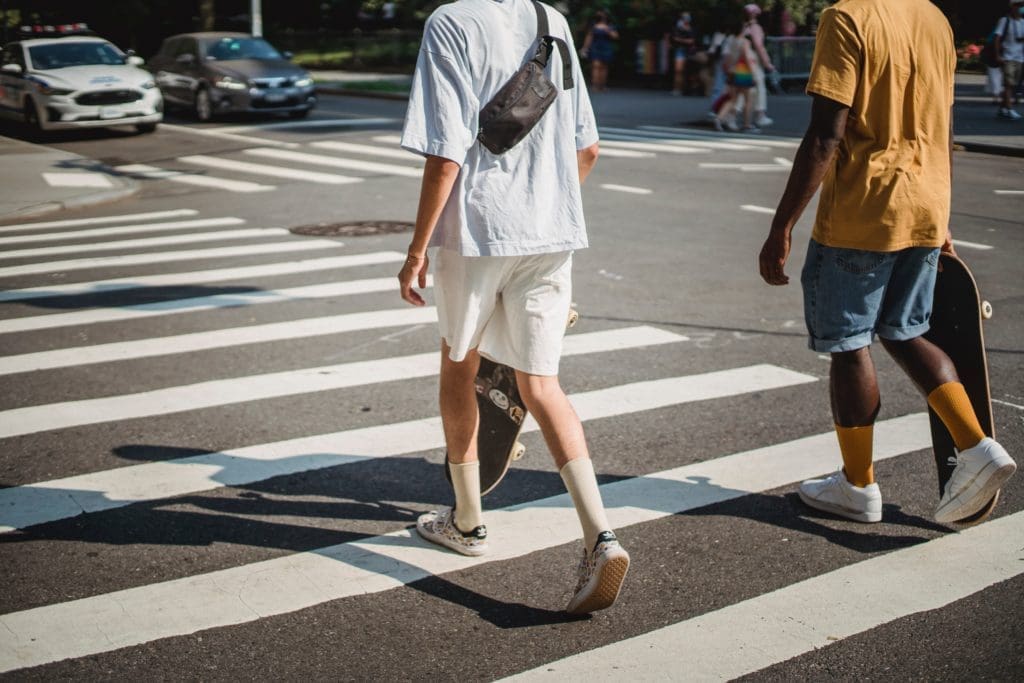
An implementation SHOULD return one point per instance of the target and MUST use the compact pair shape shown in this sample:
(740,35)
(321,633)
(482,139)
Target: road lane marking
(626,188)
(760,140)
(203,276)
(758,209)
(311,123)
(625,154)
(121,230)
(273,171)
(222,235)
(689,140)
(77,179)
(214,393)
(216,133)
(167,257)
(779,164)
(120,218)
(297,581)
(199,303)
(391,139)
(754,634)
(971,245)
(1010,192)
(302,328)
(371,150)
(338,162)
(154,173)
(607,143)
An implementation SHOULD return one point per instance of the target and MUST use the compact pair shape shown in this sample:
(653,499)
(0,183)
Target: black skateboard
(956,328)
(502,414)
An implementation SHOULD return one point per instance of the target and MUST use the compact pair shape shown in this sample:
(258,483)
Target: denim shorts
(851,295)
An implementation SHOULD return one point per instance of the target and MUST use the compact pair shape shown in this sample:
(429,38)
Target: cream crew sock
(466,482)
(581,482)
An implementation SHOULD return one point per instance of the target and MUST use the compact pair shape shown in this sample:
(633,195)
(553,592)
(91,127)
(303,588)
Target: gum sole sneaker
(980,472)
(836,495)
(439,527)
(601,574)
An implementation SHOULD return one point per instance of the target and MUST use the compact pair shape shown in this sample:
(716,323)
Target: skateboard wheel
(986,310)
(574,317)
(518,451)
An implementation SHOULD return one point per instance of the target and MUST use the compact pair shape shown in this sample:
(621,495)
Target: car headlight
(149,85)
(46,89)
(304,82)
(228,83)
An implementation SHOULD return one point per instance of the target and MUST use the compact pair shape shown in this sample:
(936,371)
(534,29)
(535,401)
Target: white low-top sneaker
(438,526)
(836,495)
(980,472)
(599,576)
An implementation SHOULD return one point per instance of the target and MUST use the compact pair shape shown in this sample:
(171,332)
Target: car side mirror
(135,60)
(287,54)
(185,58)
(13,68)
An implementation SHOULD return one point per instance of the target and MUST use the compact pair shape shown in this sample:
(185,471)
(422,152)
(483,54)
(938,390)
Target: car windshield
(227,49)
(61,55)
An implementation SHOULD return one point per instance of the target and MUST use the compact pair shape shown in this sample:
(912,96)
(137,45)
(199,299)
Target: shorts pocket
(859,262)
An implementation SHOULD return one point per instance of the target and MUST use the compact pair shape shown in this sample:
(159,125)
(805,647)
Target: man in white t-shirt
(1010,55)
(505,227)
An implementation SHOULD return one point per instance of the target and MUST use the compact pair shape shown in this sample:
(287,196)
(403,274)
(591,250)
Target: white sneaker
(836,495)
(763,121)
(600,575)
(980,472)
(1009,114)
(439,527)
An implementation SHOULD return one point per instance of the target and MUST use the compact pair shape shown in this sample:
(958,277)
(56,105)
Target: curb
(80,202)
(985,148)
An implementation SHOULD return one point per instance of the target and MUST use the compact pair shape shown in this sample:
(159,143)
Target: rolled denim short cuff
(840,345)
(903,333)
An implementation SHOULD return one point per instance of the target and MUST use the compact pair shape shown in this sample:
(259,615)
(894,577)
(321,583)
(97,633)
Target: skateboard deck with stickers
(502,414)
(956,328)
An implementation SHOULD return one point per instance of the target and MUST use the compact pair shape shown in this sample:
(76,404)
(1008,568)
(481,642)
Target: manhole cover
(353,228)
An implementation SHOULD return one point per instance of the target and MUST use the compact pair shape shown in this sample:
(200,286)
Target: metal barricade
(791,56)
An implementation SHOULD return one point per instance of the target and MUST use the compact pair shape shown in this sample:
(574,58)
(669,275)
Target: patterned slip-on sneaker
(600,575)
(438,526)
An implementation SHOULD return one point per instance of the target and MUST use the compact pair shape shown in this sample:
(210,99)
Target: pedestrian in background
(1010,55)
(737,61)
(505,227)
(599,48)
(885,166)
(683,39)
(762,64)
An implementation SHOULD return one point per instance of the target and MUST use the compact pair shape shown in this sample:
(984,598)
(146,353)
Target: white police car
(75,81)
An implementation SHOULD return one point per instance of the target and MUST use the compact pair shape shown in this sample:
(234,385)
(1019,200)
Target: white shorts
(512,309)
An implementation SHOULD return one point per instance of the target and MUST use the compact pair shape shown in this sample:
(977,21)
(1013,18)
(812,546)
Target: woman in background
(599,47)
(738,59)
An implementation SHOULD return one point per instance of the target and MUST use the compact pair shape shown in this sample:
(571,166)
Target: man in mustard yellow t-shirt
(879,145)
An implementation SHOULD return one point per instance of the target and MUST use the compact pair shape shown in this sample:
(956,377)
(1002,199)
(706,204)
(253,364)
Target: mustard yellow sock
(950,403)
(855,443)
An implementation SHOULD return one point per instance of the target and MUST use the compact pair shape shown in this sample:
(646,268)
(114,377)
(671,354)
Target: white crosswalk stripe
(85,482)
(264,169)
(338,162)
(154,173)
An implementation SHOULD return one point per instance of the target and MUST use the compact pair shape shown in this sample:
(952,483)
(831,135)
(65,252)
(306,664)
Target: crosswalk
(367,155)
(87,534)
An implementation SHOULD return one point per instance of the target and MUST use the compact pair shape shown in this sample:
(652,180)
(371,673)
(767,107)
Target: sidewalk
(37,180)
(975,125)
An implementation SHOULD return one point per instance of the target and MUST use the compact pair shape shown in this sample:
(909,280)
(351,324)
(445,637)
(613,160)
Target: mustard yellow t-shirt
(892,63)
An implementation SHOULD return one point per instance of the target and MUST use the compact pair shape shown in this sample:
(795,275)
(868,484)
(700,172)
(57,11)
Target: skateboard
(502,414)
(956,328)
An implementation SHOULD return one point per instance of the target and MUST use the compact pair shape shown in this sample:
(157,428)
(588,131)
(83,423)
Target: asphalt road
(214,441)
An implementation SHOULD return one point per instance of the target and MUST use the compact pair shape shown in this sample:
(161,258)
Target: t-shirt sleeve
(441,119)
(835,70)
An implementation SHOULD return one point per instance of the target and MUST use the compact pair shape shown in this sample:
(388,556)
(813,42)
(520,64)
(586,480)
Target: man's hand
(773,258)
(947,246)
(413,270)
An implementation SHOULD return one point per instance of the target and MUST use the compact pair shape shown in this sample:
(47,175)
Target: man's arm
(586,158)
(439,176)
(947,246)
(813,158)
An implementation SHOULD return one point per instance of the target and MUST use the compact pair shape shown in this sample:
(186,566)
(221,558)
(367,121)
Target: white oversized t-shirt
(527,200)
(1013,38)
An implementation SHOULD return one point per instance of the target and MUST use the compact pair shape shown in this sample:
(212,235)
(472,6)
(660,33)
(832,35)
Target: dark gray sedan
(217,73)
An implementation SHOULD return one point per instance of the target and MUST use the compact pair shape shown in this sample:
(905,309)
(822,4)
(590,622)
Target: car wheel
(300,114)
(203,108)
(31,117)
(144,128)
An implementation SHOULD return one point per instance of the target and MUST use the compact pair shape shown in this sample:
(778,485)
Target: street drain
(353,228)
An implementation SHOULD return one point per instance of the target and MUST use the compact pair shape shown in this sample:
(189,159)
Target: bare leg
(927,365)
(558,421)
(748,108)
(460,415)
(853,387)
(677,82)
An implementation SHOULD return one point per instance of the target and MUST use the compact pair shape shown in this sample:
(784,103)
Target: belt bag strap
(545,43)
